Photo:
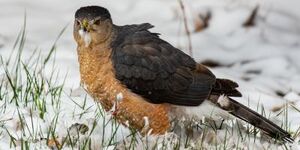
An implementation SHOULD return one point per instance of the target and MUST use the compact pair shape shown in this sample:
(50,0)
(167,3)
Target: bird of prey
(146,82)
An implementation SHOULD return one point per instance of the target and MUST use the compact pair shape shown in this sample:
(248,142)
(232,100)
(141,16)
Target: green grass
(36,95)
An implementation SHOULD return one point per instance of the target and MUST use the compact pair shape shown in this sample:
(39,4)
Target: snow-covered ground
(263,59)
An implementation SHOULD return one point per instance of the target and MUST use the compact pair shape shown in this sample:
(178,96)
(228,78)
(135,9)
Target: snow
(263,59)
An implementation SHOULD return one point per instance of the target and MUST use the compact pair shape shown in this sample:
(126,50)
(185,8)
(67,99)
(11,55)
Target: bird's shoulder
(138,43)
(126,32)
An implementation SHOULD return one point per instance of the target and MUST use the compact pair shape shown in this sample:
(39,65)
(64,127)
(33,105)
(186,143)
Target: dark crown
(91,12)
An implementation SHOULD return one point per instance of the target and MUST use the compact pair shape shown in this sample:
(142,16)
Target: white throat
(86,37)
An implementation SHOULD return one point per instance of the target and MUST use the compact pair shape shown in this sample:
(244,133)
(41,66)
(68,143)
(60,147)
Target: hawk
(146,82)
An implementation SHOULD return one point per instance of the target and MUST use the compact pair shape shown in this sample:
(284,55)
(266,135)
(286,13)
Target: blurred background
(256,43)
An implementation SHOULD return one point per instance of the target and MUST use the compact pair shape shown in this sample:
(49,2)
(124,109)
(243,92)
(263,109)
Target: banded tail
(227,88)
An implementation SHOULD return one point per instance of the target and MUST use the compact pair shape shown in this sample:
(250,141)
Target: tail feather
(252,117)
(227,87)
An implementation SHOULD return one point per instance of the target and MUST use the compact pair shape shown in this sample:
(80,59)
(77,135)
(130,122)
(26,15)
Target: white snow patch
(292,96)
(109,148)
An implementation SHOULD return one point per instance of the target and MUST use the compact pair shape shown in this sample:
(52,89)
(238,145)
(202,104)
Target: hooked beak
(84,32)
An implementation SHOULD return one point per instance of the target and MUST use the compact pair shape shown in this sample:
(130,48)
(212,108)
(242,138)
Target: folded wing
(161,73)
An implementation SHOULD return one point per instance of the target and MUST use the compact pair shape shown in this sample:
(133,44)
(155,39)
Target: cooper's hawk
(146,81)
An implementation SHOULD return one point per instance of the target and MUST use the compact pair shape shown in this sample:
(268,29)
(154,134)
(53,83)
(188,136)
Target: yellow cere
(85,23)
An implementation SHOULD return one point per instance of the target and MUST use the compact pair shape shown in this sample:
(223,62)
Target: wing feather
(153,68)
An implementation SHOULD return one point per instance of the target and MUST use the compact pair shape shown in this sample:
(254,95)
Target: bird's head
(92,24)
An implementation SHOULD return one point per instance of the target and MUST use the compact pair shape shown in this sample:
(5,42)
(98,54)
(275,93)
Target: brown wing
(153,68)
